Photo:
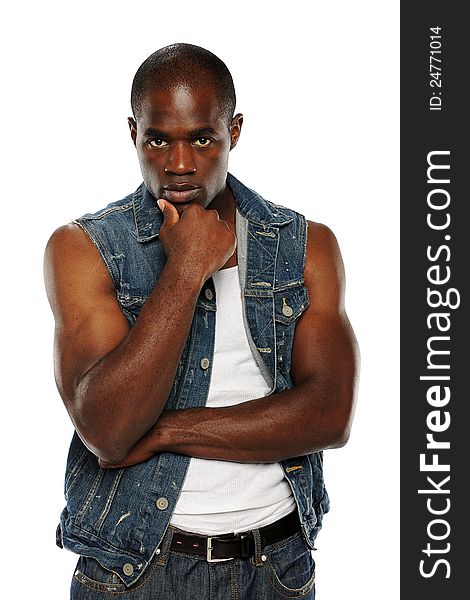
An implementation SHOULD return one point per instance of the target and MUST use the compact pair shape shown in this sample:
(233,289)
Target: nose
(180,160)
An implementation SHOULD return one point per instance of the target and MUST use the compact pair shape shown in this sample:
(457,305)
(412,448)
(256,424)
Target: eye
(157,143)
(202,142)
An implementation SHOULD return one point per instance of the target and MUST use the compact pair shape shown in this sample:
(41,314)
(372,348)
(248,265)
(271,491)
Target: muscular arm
(316,414)
(114,380)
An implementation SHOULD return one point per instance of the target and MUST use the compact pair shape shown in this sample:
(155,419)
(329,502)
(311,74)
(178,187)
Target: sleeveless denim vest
(119,516)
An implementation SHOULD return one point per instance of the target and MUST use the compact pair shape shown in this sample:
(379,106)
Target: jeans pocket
(92,575)
(290,567)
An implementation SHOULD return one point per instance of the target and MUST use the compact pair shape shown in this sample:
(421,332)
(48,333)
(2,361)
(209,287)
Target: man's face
(183,142)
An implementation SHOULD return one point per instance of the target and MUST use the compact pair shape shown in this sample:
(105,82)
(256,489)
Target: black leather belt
(234,545)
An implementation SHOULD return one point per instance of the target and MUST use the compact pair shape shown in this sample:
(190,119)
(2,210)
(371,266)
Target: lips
(180,192)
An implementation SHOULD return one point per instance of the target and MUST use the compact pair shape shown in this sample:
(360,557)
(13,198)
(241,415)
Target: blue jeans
(285,569)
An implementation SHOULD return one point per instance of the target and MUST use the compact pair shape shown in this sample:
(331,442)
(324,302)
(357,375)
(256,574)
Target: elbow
(339,435)
(105,444)
(341,438)
(112,454)
(107,438)
(342,420)
(335,435)
(104,447)
(104,438)
(329,413)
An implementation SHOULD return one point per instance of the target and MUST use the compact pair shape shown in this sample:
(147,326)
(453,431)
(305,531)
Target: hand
(198,238)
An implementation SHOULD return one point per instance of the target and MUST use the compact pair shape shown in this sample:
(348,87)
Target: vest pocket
(290,303)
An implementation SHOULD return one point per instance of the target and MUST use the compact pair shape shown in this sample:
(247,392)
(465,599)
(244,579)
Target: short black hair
(188,65)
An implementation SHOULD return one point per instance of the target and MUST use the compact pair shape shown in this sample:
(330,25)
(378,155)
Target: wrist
(185,273)
(165,430)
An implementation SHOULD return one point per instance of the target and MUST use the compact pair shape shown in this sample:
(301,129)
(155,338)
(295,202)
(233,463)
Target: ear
(235,129)
(133,128)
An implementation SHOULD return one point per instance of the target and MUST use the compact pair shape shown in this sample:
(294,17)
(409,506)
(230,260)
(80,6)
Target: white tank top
(224,496)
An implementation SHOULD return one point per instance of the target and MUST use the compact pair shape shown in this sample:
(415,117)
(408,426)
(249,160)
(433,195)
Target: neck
(224,203)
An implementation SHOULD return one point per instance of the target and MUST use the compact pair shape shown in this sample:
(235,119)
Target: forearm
(292,423)
(121,396)
(284,425)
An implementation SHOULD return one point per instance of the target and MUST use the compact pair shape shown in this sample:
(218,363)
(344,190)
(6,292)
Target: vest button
(287,311)
(128,569)
(208,294)
(204,363)
(162,503)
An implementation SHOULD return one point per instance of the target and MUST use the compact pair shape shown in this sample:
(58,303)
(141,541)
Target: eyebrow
(200,132)
(154,132)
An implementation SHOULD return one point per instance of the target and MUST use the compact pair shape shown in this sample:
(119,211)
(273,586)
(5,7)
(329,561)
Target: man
(205,358)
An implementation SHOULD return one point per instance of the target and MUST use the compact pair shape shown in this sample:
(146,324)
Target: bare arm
(316,414)
(114,380)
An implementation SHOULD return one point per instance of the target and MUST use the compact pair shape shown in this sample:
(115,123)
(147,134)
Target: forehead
(181,107)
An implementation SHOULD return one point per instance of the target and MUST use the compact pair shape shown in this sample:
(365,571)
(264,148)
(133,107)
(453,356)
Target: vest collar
(149,218)
(254,207)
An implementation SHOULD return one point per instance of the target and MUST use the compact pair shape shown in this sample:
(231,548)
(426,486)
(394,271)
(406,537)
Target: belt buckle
(209,553)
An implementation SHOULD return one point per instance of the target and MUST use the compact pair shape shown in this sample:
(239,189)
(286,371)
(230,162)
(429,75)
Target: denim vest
(119,516)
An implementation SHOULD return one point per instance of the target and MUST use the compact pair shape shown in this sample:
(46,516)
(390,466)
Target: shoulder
(72,262)
(321,241)
(69,246)
(324,268)
(86,238)
(67,240)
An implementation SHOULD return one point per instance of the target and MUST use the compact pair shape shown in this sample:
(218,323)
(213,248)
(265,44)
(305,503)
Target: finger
(106,465)
(170,214)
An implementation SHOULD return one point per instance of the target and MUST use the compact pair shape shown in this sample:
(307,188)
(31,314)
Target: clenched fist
(198,238)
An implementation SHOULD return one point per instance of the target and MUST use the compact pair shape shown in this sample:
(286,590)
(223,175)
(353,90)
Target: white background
(318,85)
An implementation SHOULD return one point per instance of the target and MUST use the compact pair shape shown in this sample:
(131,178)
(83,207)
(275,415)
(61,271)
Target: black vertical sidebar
(435,332)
